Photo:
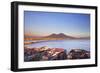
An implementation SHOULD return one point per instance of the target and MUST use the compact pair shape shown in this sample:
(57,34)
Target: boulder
(78,54)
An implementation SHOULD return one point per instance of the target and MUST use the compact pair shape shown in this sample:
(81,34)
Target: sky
(45,23)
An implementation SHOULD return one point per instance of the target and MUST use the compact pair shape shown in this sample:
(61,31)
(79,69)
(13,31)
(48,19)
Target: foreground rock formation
(78,54)
(45,54)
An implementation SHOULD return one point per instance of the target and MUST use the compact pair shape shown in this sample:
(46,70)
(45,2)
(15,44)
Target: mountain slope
(61,35)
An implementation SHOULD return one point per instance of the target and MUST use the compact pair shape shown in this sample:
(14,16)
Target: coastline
(27,42)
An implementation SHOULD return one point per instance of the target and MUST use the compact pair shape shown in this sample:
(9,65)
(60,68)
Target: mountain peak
(60,35)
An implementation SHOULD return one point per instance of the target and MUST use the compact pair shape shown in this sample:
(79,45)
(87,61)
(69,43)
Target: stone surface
(45,54)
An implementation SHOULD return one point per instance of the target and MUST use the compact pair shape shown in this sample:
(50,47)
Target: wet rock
(62,56)
(78,54)
(45,58)
(45,53)
(44,48)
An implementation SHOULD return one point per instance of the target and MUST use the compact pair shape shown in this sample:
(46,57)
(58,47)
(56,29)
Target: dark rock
(78,54)
(62,55)
(45,53)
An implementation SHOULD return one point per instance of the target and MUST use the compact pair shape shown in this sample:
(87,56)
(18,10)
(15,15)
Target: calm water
(65,44)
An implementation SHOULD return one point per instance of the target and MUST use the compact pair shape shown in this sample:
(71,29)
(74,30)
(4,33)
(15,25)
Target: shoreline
(27,42)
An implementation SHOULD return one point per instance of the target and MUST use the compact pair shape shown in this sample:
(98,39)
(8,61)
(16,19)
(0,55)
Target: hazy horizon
(47,23)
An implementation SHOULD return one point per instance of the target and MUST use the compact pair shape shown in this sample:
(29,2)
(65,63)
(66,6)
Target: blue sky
(45,23)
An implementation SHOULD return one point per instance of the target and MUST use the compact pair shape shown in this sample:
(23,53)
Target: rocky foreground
(45,54)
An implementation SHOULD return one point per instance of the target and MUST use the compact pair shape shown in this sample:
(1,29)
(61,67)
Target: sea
(65,44)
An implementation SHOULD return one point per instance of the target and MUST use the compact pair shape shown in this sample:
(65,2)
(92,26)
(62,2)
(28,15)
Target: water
(65,44)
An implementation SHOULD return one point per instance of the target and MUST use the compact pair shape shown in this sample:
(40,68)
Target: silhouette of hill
(60,35)
(54,36)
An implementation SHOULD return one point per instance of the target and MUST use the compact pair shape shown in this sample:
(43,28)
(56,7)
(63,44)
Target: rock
(78,54)
(44,48)
(44,58)
(45,53)
(62,56)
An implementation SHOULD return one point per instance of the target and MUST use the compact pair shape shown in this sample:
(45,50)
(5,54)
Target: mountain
(53,36)
(60,35)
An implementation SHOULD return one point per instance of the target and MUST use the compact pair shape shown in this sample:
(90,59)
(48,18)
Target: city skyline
(45,23)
